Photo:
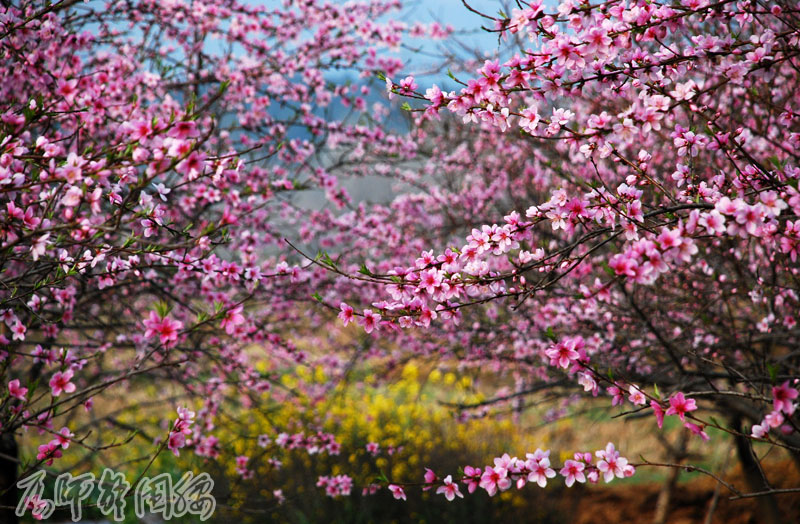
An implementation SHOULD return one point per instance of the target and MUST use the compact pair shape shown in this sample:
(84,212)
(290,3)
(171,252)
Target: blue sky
(453,12)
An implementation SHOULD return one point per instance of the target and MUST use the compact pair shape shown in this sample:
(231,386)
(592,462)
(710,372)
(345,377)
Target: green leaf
(773,372)
(129,241)
(657,393)
(162,308)
(549,333)
(316,296)
(406,106)
(191,104)
(364,270)
(325,259)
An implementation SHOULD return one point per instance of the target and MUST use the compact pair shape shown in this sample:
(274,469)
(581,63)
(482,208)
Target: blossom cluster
(784,405)
(339,485)
(508,472)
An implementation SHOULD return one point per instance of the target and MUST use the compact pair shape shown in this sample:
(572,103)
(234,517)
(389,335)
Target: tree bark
(756,479)
(8,478)
(675,454)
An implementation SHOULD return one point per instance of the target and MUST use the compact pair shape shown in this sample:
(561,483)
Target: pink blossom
(337,486)
(529,120)
(760,430)
(565,352)
(40,507)
(184,421)
(233,317)
(175,442)
(429,477)
(63,437)
(539,465)
(48,452)
(494,479)
(435,96)
(617,395)
(67,88)
(669,238)
(658,411)
(397,492)
(611,463)
(60,382)
(192,166)
(166,328)
(370,320)
(183,130)
(774,419)
(450,489)
(678,405)
(573,471)
(471,478)
(19,331)
(697,430)
(713,221)
(408,85)
(16,391)
(782,398)
(346,313)
(636,396)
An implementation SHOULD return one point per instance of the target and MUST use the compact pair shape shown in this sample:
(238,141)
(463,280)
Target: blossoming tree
(658,265)
(610,210)
(150,151)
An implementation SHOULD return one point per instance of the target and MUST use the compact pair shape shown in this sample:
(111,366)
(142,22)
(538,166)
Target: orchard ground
(413,414)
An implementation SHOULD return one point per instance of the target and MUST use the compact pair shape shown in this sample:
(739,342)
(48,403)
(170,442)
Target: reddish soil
(690,502)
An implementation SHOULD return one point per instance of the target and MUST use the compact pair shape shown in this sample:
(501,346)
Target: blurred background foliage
(411,415)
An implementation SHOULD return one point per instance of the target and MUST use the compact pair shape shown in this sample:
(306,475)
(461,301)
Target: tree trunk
(8,478)
(712,505)
(756,479)
(675,454)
